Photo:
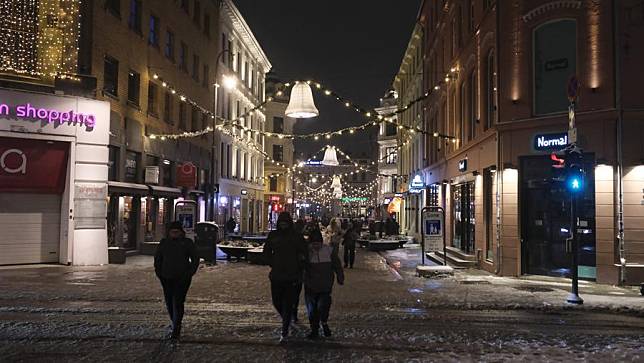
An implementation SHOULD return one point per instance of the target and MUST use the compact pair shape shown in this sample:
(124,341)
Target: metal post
(422,235)
(574,297)
(215,198)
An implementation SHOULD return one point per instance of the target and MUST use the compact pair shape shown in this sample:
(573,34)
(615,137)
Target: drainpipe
(619,139)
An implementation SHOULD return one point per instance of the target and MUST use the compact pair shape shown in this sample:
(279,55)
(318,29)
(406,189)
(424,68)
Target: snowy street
(115,313)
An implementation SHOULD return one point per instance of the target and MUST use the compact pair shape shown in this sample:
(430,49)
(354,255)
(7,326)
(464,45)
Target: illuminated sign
(417,185)
(462,165)
(48,115)
(386,201)
(556,141)
(353,199)
(244,192)
(314,162)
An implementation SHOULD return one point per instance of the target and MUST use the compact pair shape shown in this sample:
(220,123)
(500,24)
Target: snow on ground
(383,314)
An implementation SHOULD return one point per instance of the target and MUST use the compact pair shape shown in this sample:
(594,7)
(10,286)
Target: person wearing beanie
(175,262)
(323,266)
(285,252)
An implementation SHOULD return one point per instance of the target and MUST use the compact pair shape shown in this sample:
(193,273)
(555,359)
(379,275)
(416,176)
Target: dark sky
(352,46)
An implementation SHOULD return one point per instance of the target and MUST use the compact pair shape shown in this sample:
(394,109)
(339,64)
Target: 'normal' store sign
(557,141)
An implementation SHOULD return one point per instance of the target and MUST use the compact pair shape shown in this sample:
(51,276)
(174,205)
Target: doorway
(546,222)
(463,217)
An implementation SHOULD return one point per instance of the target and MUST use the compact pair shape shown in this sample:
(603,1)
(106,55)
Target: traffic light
(575,174)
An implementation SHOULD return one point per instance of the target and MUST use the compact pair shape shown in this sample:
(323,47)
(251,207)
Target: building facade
(278,184)
(241,167)
(408,84)
(387,154)
(498,75)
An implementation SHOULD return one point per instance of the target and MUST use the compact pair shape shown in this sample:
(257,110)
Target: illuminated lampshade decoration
(335,184)
(330,157)
(337,193)
(301,104)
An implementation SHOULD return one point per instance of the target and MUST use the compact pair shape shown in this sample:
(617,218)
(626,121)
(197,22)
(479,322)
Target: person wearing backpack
(175,262)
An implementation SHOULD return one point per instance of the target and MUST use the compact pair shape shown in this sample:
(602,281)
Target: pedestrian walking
(349,244)
(323,266)
(175,262)
(285,252)
(230,226)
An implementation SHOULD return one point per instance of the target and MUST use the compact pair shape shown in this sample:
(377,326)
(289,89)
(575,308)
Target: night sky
(352,46)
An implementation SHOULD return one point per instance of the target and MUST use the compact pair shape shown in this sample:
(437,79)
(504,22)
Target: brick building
(497,73)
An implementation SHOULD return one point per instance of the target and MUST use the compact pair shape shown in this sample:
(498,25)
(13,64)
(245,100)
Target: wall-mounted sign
(32,166)
(244,192)
(557,141)
(416,185)
(48,115)
(187,175)
(462,165)
(151,175)
(314,162)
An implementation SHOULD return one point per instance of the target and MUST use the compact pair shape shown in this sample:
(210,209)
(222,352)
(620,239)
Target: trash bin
(206,234)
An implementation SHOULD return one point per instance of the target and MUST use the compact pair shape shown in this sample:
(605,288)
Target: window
(222,162)
(223,47)
(272,184)
(390,129)
(555,60)
(132,165)
(432,195)
(278,125)
(196,119)
(195,67)
(110,76)
(490,94)
(167,107)
(113,164)
(183,53)
(182,116)
(391,155)
(196,13)
(133,87)
(454,36)
(152,98)
(166,172)
(206,75)
(153,38)
(463,115)
(278,152)
(185,5)
(472,106)
(206,25)
(472,16)
(488,193)
(169,45)
(114,6)
(239,63)
(135,16)
(487,4)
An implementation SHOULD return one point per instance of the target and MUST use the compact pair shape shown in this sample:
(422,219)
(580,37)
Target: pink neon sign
(27,111)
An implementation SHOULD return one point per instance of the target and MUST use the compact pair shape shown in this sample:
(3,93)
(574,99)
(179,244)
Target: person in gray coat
(322,268)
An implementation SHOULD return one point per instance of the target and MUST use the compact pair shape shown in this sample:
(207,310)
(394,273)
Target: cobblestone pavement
(382,314)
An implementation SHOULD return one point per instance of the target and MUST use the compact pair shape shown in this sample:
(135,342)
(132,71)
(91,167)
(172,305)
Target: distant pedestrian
(285,252)
(230,226)
(323,266)
(349,244)
(175,262)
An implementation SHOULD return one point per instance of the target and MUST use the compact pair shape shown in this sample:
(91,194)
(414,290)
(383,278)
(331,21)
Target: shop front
(53,171)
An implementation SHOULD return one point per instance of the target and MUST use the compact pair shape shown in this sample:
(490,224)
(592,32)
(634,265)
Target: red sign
(186,175)
(32,166)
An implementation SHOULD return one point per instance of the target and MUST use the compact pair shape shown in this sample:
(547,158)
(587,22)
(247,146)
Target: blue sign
(417,185)
(550,142)
(314,162)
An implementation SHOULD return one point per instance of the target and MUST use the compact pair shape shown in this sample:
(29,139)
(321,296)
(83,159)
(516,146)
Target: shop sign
(417,185)
(130,166)
(556,141)
(313,162)
(462,165)
(151,175)
(274,198)
(353,199)
(433,228)
(244,192)
(56,117)
(186,175)
(90,205)
(28,165)
(185,212)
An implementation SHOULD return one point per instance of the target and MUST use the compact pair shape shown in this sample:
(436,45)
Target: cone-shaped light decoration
(337,193)
(301,104)
(335,184)
(330,157)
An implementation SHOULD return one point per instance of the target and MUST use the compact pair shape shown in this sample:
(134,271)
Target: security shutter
(29,228)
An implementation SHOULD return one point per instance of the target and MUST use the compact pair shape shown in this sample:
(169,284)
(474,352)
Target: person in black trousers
(285,253)
(175,262)
(349,243)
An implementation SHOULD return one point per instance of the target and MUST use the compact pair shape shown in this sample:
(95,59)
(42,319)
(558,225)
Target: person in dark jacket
(323,266)
(175,262)
(231,225)
(299,226)
(285,252)
(349,242)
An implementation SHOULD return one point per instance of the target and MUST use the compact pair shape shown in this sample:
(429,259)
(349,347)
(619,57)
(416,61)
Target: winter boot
(327,330)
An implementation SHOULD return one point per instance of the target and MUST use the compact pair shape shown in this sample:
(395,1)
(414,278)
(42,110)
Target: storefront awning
(126,188)
(160,191)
